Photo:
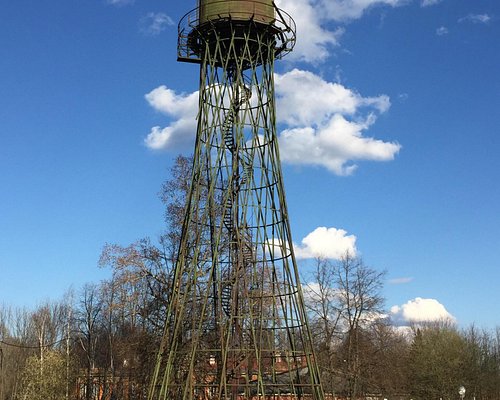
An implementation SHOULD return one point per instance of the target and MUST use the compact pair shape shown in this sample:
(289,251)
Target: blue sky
(401,97)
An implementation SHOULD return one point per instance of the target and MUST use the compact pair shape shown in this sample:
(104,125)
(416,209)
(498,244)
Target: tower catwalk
(236,324)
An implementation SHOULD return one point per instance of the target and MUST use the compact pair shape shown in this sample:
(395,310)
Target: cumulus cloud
(420,310)
(476,18)
(322,242)
(179,135)
(324,122)
(304,98)
(316,40)
(442,30)
(335,145)
(153,24)
(326,242)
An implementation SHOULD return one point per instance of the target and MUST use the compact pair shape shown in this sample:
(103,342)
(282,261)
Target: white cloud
(318,129)
(442,30)
(316,36)
(324,122)
(400,281)
(276,248)
(313,19)
(335,145)
(326,242)
(315,40)
(347,10)
(426,3)
(154,23)
(179,135)
(304,98)
(403,97)
(312,291)
(322,242)
(420,310)
(168,102)
(120,2)
(476,18)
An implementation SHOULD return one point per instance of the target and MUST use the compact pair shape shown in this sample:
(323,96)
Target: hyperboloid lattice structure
(236,326)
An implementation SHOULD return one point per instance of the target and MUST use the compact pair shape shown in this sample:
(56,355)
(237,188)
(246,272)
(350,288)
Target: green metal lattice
(236,325)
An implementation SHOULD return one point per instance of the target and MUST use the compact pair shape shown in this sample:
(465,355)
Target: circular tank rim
(240,10)
(282,27)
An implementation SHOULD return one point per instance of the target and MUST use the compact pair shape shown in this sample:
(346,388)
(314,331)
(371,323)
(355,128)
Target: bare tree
(88,322)
(343,302)
(142,278)
(361,303)
(49,325)
(322,302)
(384,356)
(174,194)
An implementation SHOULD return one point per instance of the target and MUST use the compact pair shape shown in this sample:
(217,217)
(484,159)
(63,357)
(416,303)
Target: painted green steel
(216,24)
(236,326)
(237,10)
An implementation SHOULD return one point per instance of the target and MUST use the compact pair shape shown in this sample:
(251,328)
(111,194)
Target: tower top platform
(221,22)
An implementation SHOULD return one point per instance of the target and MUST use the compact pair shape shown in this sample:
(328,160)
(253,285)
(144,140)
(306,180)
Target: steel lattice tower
(236,325)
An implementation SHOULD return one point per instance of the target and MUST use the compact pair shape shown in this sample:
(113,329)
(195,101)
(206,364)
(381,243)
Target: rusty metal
(242,10)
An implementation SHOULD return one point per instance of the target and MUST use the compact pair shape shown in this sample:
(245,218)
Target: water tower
(236,326)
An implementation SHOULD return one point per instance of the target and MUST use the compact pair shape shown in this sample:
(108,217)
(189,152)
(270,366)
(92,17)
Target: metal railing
(191,30)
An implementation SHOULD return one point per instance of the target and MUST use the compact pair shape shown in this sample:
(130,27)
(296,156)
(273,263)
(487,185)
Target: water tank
(261,11)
